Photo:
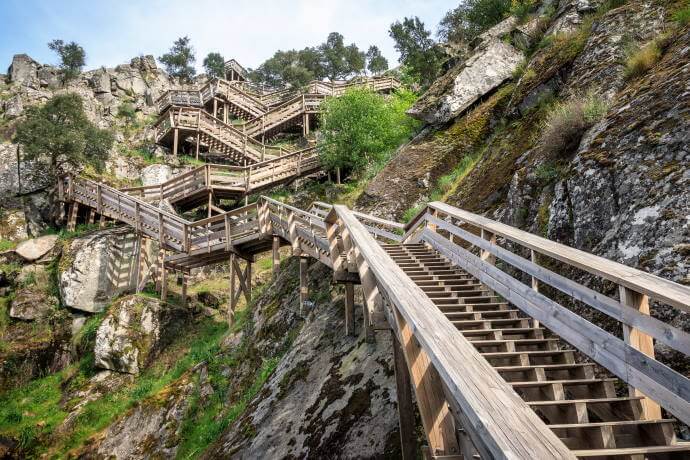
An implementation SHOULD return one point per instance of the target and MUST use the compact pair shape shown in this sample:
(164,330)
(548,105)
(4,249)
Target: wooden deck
(500,368)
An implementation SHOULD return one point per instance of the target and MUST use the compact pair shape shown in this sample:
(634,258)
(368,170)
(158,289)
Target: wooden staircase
(568,393)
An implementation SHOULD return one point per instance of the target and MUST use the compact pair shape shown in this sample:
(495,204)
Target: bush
(567,122)
(642,59)
(682,16)
(127,111)
(361,129)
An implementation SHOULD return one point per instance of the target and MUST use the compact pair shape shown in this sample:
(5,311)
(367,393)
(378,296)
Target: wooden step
(586,409)
(678,451)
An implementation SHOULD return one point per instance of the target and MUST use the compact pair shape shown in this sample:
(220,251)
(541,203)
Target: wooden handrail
(490,409)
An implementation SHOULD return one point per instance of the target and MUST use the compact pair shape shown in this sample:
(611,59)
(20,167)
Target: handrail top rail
(291,208)
(654,286)
(219,217)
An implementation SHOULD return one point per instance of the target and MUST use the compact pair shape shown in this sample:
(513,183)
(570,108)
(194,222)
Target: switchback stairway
(486,338)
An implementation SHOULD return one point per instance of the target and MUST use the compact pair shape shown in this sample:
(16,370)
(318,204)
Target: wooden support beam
(406,418)
(102,221)
(303,283)
(176,140)
(92,216)
(275,260)
(198,141)
(164,283)
(350,309)
(534,256)
(72,216)
(233,296)
(640,341)
(137,261)
(184,289)
(437,420)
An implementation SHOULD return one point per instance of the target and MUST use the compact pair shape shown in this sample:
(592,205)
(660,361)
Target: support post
(176,138)
(639,341)
(184,289)
(92,216)
(337,175)
(233,298)
(303,283)
(198,141)
(275,261)
(534,256)
(72,218)
(137,262)
(486,255)
(350,309)
(406,419)
(164,281)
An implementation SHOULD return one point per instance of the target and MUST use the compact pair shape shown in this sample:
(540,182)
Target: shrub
(682,16)
(127,111)
(361,129)
(567,121)
(642,59)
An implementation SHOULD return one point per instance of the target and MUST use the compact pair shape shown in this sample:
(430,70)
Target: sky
(113,32)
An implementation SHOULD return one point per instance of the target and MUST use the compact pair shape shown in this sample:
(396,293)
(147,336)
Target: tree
(471,18)
(334,59)
(61,137)
(417,49)
(179,60)
(376,63)
(72,58)
(355,59)
(290,67)
(214,64)
(361,128)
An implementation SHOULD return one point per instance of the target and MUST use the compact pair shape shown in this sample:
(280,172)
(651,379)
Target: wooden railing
(499,423)
(475,242)
(299,105)
(244,179)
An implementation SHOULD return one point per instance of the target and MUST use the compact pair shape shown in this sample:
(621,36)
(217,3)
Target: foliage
(376,63)
(296,68)
(682,16)
(179,60)
(361,127)
(127,111)
(471,18)
(6,245)
(566,122)
(60,135)
(642,59)
(214,64)
(417,49)
(72,58)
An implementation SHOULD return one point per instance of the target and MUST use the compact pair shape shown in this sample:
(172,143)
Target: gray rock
(155,174)
(100,82)
(9,178)
(97,268)
(13,225)
(32,304)
(13,107)
(132,332)
(49,76)
(492,62)
(23,69)
(36,248)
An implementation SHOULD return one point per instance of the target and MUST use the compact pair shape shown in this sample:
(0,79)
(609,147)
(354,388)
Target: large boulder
(23,69)
(36,248)
(13,107)
(13,225)
(492,62)
(96,268)
(155,174)
(133,331)
(32,304)
(9,178)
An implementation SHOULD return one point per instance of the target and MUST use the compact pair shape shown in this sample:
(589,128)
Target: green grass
(190,160)
(6,245)
(642,59)
(682,16)
(31,413)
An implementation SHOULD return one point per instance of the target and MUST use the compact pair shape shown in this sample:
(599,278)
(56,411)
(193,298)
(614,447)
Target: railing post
(486,255)
(639,341)
(275,260)
(534,256)
(406,418)
(303,283)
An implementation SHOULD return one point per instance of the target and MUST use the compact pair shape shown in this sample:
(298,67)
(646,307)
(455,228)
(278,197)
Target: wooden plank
(350,309)
(493,411)
(655,287)
(659,382)
(406,418)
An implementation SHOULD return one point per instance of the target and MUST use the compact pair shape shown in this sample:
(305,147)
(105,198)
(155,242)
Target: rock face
(30,305)
(96,268)
(330,395)
(133,331)
(492,62)
(13,225)
(155,174)
(36,248)
(23,69)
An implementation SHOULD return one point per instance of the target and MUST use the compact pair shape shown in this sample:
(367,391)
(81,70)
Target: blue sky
(112,32)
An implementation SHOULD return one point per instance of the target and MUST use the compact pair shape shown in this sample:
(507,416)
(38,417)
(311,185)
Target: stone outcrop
(155,174)
(133,331)
(31,250)
(96,268)
(23,70)
(13,225)
(31,305)
(491,63)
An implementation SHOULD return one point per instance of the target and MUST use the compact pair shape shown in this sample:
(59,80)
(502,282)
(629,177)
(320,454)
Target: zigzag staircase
(500,367)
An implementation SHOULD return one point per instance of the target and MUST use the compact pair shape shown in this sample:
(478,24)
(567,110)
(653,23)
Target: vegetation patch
(640,60)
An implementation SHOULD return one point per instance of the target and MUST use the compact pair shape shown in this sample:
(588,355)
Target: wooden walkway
(500,367)
(202,119)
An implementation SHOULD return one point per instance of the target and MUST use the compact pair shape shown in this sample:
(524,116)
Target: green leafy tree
(60,136)
(356,59)
(179,61)
(214,64)
(290,67)
(334,56)
(361,128)
(72,58)
(472,17)
(376,63)
(418,51)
